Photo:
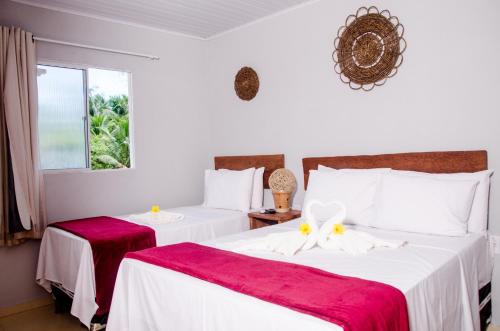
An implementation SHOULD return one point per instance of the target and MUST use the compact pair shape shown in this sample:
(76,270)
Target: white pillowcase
(258,189)
(372,170)
(355,189)
(478,219)
(229,189)
(423,204)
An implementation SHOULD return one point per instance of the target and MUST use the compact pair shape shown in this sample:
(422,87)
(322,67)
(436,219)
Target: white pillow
(356,190)
(478,219)
(375,170)
(229,189)
(258,189)
(423,204)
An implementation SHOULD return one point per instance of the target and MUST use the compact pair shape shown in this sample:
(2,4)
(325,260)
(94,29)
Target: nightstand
(259,220)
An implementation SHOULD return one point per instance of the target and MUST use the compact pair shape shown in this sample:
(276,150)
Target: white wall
(445,96)
(169,121)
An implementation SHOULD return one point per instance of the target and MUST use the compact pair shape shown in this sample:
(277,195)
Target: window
(83,118)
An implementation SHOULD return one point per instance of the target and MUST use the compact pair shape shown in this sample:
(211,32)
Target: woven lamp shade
(283,183)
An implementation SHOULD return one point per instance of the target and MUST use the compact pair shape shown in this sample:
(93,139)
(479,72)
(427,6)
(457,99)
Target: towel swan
(286,243)
(350,241)
(290,242)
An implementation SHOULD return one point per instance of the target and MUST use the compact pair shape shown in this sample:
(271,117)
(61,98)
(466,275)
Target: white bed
(440,276)
(66,259)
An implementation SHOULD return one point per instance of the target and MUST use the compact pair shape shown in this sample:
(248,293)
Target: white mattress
(66,259)
(440,277)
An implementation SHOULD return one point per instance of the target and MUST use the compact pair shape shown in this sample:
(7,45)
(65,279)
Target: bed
(66,266)
(444,279)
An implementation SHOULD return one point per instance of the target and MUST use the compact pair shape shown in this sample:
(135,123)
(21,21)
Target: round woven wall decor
(246,83)
(369,48)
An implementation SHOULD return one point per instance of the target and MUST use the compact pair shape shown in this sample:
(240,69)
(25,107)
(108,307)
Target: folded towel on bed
(356,242)
(287,243)
(350,241)
(290,242)
(161,217)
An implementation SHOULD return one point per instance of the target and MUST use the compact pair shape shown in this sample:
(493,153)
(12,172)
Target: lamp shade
(282,182)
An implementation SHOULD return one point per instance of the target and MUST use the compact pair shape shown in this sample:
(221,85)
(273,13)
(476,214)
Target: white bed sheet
(440,277)
(67,259)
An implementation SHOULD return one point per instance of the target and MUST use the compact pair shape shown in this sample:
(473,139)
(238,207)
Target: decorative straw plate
(369,48)
(246,83)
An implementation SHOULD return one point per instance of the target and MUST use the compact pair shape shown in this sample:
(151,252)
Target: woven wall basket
(246,83)
(369,48)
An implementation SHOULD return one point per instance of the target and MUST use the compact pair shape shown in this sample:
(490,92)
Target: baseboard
(22,307)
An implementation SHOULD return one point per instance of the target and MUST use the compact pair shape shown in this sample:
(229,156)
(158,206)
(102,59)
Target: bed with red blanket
(79,259)
(438,278)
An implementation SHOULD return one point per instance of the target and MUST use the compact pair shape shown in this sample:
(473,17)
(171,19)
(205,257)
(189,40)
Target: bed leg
(97,326)
(62,302)
(485,306)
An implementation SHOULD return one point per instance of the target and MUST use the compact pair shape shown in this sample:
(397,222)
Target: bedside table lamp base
(282,201)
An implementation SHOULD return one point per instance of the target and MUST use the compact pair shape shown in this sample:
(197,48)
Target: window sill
(84,171)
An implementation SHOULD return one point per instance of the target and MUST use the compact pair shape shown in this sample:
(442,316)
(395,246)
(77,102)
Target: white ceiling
(200,18)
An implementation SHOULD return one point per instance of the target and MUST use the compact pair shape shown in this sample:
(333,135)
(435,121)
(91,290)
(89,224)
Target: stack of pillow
(234,189)
(442,204)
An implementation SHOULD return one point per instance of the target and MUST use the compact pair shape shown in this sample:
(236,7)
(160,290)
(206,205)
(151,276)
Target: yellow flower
(155,209)
(338,229)
(305,229)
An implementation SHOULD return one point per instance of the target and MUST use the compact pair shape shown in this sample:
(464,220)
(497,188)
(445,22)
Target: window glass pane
(109,119)
(61,122)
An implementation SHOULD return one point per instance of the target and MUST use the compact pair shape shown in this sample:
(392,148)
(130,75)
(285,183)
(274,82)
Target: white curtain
(20,111)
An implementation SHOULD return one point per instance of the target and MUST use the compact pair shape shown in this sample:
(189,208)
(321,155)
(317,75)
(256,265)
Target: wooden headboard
(432,162)
(270,162)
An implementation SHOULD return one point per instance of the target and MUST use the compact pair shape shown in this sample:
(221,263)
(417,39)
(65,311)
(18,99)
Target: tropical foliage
(109,132)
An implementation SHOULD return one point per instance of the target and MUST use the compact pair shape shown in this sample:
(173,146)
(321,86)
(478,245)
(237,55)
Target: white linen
(356,190)
(66,259)
(229,189)
(424,205)
(160,217)
(350,241)
(356,242)
(372,170)
(478,219)
(258,189)
(439,276)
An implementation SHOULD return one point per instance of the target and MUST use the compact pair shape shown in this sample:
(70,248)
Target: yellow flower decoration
(338,229)
(155,209)
(305,229)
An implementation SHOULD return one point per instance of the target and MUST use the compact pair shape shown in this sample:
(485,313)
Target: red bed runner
(110,239)
(352,303)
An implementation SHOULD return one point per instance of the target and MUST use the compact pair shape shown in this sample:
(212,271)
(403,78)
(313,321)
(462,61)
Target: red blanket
(110,239)
(352,303)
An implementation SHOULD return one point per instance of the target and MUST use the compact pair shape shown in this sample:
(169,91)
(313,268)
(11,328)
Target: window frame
(84,68)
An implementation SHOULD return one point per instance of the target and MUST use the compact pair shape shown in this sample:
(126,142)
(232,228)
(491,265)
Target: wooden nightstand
(259,220)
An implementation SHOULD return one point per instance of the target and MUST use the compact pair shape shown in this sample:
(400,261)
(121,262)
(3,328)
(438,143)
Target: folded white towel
(286,243)
(161,217)
(356,242)
(290,242)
